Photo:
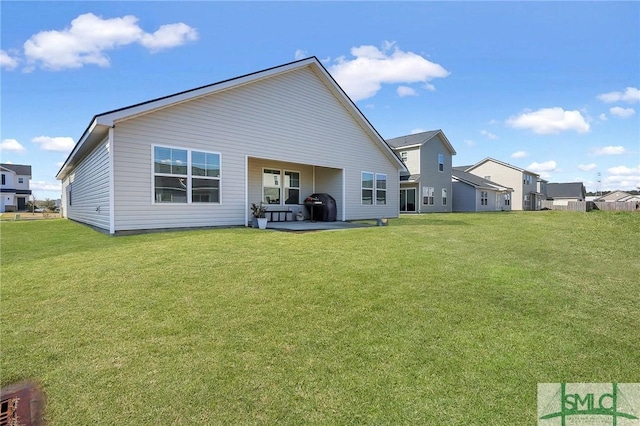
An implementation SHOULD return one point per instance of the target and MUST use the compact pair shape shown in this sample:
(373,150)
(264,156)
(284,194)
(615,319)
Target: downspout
(246,190)
(112,201)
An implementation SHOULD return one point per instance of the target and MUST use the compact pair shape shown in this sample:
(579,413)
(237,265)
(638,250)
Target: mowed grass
(434,319)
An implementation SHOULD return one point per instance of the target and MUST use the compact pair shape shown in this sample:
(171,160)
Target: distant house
(426,186)
(524,183)
(613,197)
(562,193)
(472,193)
(15,187)
(200,158)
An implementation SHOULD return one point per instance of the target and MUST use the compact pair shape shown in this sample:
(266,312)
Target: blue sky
(553,87)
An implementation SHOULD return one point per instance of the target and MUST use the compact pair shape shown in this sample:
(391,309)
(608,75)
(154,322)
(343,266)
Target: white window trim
(282,185)
(441,156)
(188,176)
(372,189)
(375,186)
(430,195)
(444,196)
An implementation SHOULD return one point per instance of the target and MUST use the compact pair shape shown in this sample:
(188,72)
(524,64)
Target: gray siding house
(523,182)
(14,188)
(472,193)
(200,158)
(426,186)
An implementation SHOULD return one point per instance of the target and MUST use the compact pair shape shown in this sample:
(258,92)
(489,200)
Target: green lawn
(434,319)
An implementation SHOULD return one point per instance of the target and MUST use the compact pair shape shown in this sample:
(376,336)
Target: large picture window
(185,176)
(367,188)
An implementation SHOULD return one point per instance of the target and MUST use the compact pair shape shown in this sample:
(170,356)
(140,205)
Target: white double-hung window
(273,186)
(367,188)
(185,176)
(381,188)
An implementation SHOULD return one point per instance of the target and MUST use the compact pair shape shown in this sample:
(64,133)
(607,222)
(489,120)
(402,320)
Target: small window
(441,162)
(444,197)
(367,188)
(507,199)
(403,156)
(484,198)
(427,195)
(381,189)
(20,180)
(4,182)
(291,187)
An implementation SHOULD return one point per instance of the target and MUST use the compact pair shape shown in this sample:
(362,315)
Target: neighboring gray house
(201,157)
(523,182)
(562,193)
(426,186)
(14,189)
(472,193)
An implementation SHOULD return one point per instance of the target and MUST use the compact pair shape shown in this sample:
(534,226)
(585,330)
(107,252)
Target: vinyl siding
(291,117)
(431,176)
(90,189)
(465,198)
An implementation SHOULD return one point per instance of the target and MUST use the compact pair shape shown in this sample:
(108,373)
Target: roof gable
(100,124)
(418,139)
(493,160)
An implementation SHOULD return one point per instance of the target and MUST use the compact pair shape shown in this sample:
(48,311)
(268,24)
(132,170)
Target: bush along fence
(585,206)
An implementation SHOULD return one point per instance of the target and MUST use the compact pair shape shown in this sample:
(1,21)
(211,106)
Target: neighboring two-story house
(15,187)
(426,187)
(524,183)
(472,193)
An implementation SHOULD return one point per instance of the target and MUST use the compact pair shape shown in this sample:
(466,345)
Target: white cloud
(630,95)
(7,61)
(364,76)
(168,36)
(622,177)
(418,130)
(611,150)
(41,185)
(624,170)
(406,91)
(11,145)
(547,166)
(63,144)
(469,142)
(603,117)
(89,37)
(622,112)
(430,87)
(488,134)
(59,164)
(300,54)
(519,154)
(550,120)
(587,167)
